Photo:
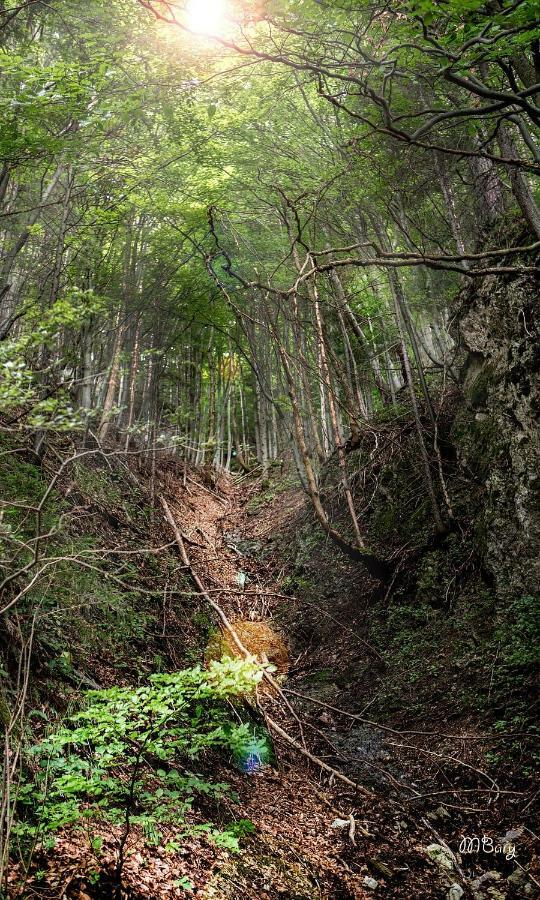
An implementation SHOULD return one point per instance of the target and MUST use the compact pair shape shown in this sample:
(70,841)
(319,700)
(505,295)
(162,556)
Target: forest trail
(295,850)
(314,837)
(311,835)
(223,540)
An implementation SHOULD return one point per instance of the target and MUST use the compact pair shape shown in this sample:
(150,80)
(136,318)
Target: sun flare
(206,17)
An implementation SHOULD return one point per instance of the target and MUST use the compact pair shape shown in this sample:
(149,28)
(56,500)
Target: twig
(318,762)
(208,491)
(217,609)
(443,734)
(449,850)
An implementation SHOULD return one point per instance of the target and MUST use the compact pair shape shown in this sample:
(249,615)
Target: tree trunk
(520,186)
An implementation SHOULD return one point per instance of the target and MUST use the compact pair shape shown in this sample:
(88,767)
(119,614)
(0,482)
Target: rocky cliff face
(497,430)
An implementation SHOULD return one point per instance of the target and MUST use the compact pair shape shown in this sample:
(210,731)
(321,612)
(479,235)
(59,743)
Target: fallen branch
(208,491)
(381,727)
(218,610)
(230,628)
(318,762)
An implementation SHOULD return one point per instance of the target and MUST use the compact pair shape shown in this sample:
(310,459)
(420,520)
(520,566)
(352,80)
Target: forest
(269,449)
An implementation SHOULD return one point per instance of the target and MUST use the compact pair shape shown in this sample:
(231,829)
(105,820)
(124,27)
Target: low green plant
(126,757)
(23,483)
(519,633)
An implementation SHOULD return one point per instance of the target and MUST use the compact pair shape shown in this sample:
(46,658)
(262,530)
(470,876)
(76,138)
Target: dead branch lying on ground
(268,677)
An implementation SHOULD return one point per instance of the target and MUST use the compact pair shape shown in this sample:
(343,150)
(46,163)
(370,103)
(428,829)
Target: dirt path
(213,523)
(296,852)
(315,837)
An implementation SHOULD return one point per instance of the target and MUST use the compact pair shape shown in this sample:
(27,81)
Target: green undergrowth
(446,641)
(463,663)
(23,482)
(105,611)
(95,611)
(477,657)
(133,757)
(84,614)
(271,489)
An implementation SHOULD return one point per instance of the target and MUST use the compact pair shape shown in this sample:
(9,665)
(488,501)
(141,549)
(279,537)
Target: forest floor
(295,852)
(425,777)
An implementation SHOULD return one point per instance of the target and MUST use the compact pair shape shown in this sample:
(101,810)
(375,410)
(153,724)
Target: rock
(370,883)
(521,882)
(485,877)
(440,813)
(517,878)
(381,868)
(456,892)
(241,545)
(340,823)
(441,855)
(241,579)
(496,433)
(511,836)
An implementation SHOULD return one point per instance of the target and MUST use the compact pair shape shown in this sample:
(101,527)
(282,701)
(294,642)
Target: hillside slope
(422,733)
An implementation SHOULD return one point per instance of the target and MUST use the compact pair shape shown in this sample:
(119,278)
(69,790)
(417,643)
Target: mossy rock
(478,389)
(479,439)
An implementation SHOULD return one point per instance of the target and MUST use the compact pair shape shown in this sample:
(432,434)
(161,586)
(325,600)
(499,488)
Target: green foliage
(127,755)
(322,676)
(270,490)
(98,484)
(519,633)
(22,486)
(467,19)
(21,385)
(184,883)
(21,482)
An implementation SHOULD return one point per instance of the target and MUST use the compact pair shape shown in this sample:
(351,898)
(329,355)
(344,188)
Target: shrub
(126,757)
(257,637)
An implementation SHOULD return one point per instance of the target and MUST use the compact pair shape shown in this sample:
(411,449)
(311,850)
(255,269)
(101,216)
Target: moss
(97,484)
(478,391)
(383,522)
(479,439)
(430,577)
(518,633)
(321,676)
(270,490)
(23,482)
